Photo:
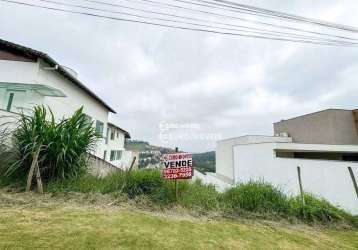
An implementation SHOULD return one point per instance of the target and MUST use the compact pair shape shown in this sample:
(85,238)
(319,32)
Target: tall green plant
(63,146)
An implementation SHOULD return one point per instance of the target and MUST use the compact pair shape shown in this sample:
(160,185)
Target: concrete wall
(325,127)
(326,179)
(224,151)
(101,168)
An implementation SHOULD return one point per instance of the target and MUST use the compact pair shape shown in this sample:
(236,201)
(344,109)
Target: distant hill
(150,156)
(141,146)
(204,162)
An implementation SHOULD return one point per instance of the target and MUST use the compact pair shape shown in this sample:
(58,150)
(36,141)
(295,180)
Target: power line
(156,3)
(255,11)
(258,31)
(179,27)
(230,8)
(289,16)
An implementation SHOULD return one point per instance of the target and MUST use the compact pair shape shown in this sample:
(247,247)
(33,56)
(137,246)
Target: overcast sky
(221,86)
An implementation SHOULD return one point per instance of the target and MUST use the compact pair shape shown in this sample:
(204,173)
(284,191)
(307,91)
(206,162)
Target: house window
(112,135)
(119,154)
(107,135)
(113,155)
(15,100)
(99,127)
(105,155)
(117,134)
(9,103)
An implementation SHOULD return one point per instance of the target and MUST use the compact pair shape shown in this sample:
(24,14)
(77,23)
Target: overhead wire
(286,15)
(180,27)
(247,20)
(258,31)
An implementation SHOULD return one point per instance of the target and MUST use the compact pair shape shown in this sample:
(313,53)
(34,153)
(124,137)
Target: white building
(329,169)
(29,78)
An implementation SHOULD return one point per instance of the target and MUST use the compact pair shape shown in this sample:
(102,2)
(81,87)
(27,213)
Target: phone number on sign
(178,173)
(177,170)
(187,175)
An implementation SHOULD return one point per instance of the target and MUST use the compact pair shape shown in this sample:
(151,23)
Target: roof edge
(313,113)
(126,133)
(61,70)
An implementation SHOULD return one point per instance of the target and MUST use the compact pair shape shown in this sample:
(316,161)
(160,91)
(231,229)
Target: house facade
(318,149)
(29,78)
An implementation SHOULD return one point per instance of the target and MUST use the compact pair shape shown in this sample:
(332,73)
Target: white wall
(18,72)
(327,179)
(212,179)
(224,151)
(75,96)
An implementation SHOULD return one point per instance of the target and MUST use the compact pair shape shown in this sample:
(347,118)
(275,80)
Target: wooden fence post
(353,180)
(176,181)
(301,188)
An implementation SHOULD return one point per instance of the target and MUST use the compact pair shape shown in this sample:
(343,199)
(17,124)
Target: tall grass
(250,199)
(256,197)
(64,145)
(318,210)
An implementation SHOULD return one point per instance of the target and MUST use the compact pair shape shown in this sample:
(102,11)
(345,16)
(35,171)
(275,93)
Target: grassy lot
(33,222)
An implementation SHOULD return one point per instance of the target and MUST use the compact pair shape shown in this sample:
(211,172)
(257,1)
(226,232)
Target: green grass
(33,222)
(253,199)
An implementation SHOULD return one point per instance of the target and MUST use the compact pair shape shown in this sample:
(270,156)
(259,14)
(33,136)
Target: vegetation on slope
(253,199)
(92,222)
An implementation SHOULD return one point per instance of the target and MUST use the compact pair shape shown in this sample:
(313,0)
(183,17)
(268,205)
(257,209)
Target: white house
(29,77)
(321,147)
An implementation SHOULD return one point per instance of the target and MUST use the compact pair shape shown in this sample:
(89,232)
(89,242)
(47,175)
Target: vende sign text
(178,166)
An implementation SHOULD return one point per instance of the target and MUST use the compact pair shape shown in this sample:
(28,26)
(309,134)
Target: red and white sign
(178,166)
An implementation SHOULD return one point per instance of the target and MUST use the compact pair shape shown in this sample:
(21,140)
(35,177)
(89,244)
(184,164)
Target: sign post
(177,166)
(176,180)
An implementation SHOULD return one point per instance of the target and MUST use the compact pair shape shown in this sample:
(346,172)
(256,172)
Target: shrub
(258,197)
(198,196)
(318,210)
(63,146)
(142,182)
(165,195)
(134,183)
(82,184)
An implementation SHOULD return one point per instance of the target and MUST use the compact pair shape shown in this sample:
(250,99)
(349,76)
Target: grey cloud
(229,85)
